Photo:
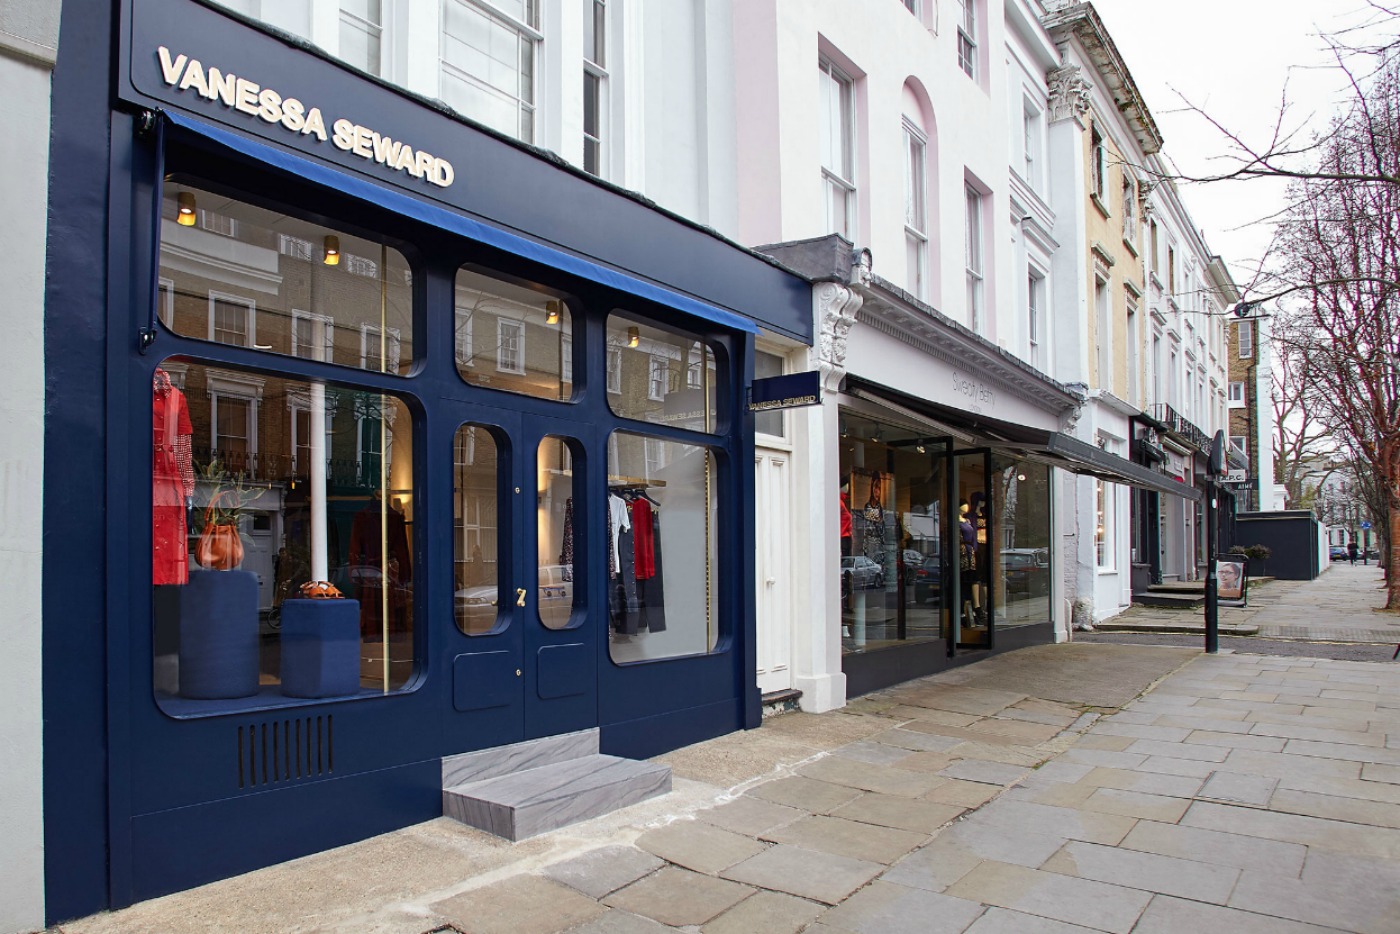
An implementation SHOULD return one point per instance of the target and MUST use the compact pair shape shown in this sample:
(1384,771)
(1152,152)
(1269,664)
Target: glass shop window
(1021,575)
(475,539)
(555,487)
(663,377)
(282,540)
(513,337)
(234,273)
(662,515)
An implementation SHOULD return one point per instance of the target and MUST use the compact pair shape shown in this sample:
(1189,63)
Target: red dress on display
(172,482)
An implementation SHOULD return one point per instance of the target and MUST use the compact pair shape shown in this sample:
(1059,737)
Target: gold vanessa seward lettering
(190,74)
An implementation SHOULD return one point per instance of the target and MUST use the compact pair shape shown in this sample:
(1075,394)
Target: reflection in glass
(475,496)
(662,509)
(555,487)
(660,376)
(238,526)
(891,501)
(513,338)
(234,273)
(1021,578)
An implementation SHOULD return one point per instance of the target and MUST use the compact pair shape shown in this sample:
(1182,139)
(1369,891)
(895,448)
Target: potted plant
(219,605)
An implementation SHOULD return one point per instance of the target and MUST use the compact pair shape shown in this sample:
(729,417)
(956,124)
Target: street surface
(1082,787)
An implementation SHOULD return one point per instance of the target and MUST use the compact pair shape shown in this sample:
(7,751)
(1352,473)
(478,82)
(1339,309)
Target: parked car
(928,579)
(477,606)
(1027,571)
(860,573)
(1337,553)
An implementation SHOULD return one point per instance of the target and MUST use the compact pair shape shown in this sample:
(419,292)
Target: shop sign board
(785,392)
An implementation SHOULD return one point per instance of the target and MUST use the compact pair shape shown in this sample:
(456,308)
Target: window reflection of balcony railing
(1181,428)
(254,467)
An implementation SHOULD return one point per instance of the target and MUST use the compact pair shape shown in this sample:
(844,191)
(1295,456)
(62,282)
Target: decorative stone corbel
(1145,207)
(1069,93)
(837,305)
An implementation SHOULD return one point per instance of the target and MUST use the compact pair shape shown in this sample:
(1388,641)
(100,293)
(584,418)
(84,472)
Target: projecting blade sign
(785,392)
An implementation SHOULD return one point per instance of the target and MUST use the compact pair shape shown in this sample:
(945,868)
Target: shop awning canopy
(316,173)
(1054,448)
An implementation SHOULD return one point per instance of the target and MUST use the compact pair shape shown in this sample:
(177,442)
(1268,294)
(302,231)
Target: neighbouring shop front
(508,431)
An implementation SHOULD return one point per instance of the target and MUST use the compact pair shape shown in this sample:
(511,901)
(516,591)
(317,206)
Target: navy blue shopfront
(496,634)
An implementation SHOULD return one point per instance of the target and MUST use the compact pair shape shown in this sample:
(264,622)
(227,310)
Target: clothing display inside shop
(369,570)
(636,596)
(172,482)
(566,549)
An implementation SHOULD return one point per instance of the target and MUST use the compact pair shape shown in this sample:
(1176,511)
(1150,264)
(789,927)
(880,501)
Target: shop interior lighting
(634,336)
(332,256)
(921,449)
(551,312)
(186,216)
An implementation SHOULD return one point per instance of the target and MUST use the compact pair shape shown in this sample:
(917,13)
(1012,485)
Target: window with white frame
(1104,521)
(165,301)
(1246,339)
(463,338)
(1035,311)
(656,378)
(379,349)
(1240,443)
(566,362)
(1099,164)
(510,346)
(1130,342)
(1157,367)
(233,421)
(838,149)
(1030,142)
(595,83)
(1153,246)
(313,336)
(221,224)
(915,210)
(489,62)
(301,435)
(614,369)
(967,37)
(362,34)
(1103,340)
(1130,211)
(232,320)
(1236,397)
(974,251)
(295,247)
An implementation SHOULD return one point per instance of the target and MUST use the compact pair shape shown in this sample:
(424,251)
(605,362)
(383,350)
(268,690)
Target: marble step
(532,802)
(518,757)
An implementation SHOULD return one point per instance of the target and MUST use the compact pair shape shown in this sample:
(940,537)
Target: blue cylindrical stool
(219,635)
(320,648)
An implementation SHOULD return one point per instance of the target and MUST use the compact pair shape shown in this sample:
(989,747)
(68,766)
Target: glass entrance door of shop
(528,667)
(968,606)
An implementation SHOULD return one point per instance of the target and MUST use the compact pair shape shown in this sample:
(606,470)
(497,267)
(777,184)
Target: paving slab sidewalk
(1058,788)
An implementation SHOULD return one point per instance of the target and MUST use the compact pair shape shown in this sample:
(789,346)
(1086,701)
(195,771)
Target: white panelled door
(773,502)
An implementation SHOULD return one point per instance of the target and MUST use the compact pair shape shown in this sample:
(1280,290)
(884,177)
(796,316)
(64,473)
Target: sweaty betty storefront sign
(263,103)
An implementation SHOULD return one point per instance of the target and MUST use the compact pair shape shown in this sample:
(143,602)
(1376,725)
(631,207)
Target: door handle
(520,596)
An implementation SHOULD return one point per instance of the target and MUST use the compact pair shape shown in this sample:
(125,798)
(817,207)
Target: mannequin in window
(172,482)
(370,568)
(844,503)
(969,582)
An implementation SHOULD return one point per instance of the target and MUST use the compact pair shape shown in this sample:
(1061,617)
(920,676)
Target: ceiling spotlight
(332,257)
(920,448)
(186,216)
(634,336)
(551,311)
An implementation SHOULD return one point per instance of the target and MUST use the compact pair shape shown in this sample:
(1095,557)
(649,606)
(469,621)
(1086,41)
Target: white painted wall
(28,46)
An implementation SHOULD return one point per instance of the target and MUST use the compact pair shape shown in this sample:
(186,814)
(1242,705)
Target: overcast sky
(1233,59)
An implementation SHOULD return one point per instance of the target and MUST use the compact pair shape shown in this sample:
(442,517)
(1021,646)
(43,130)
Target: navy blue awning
(443,219)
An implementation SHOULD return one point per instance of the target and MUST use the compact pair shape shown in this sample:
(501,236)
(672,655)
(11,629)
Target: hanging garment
(172,482)
(566,548)
(371,572)
(643,543)
(623,605)
(654,593)
(618,522)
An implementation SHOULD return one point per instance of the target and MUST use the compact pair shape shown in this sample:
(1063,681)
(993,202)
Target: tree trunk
(1393,580)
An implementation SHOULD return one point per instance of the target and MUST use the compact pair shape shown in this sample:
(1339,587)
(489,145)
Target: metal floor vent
(285,750)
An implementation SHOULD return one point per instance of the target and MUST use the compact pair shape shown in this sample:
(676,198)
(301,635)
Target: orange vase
(219,548)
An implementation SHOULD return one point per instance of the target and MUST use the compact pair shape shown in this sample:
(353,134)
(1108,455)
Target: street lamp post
(1215,468)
